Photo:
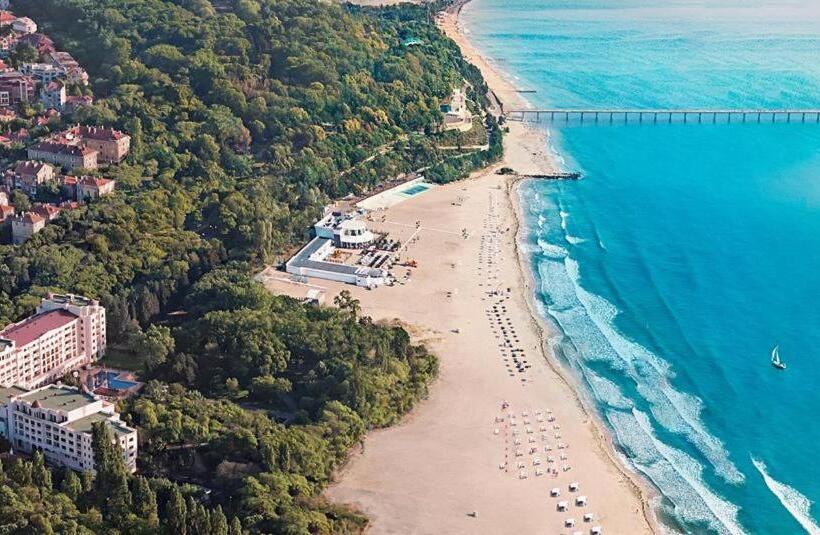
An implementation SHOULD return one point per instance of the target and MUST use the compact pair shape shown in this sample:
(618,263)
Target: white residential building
(24,25)
(66,332)
(57,420)
(53,95)
(42,72)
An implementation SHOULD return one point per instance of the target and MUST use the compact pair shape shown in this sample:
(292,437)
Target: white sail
(776,362)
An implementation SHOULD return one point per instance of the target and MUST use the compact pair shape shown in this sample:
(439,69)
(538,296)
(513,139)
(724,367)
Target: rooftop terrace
(62,398)
(84,425)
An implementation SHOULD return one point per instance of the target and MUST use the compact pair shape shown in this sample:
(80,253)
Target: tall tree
(145,502)
(40,475)
(177,513)
(113,494)
(71,485)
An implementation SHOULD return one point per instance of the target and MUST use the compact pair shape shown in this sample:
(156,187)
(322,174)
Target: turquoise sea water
(687,251)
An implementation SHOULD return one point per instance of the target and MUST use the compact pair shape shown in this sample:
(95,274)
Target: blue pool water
(687,251)
(118,384)
(416,189)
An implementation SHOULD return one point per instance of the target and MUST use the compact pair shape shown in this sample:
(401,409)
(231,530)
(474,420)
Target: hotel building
(66,332)
(57,420)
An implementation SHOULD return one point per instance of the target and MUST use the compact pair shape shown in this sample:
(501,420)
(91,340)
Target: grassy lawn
(119,357)
(476,136)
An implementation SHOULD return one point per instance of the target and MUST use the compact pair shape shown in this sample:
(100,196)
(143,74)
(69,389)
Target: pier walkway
(656,116)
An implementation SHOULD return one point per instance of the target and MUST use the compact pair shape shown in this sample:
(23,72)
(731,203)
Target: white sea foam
(676,411)
(607,391)
(564,216)
(589,320)
(574,240)
(551,250)
(679,476)
(795,503)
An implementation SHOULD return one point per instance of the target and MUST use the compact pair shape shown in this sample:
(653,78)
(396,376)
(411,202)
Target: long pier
(656,116)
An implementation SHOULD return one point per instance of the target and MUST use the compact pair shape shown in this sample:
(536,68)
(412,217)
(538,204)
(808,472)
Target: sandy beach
(501,427)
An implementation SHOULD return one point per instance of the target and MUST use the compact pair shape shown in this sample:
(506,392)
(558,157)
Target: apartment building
(66,332)
(58,420)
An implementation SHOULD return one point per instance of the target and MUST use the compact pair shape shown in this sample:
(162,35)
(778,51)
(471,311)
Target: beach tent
(581,501)
(587,517)
(596,530)
(562,506)
(555,492)
(569,523)
(573,487)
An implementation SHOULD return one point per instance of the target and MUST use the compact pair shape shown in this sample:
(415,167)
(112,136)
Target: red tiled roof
(31,329)
(30,218)
(61,148)
(47,211)
(93,181)
(7,17)
(102,134)
(6,210)
(39,41)
(29,167)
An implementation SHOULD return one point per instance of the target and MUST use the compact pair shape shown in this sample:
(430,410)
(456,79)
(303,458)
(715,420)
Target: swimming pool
(402,192)
(116,384)
(415,189)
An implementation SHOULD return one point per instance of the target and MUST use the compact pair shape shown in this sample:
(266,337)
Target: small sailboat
(776,362)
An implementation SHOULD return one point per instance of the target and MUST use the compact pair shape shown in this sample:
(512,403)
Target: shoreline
(642,488)
(449,466)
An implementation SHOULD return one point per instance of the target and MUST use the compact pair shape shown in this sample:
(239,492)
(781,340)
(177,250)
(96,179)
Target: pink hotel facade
(66,332)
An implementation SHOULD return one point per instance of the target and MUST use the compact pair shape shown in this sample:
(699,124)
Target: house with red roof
(42,43)
(7,18)
(93,187)
(29,175)
(16,87)
(6,211)
(47,211)
(113,145)
(25,225)
(53,95)
(73,103)
(69,156)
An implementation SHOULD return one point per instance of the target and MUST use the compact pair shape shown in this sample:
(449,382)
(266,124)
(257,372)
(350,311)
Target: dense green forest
(246,116)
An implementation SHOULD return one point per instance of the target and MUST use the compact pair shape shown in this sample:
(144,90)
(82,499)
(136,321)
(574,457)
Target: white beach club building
(337,230)
(312,261)
(353,234)
(345,231)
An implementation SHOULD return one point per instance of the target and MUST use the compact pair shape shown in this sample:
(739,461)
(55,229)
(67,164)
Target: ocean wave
(795,503)
(607,391)
(574,240)
(677,411)
(676,474)
(551,250)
